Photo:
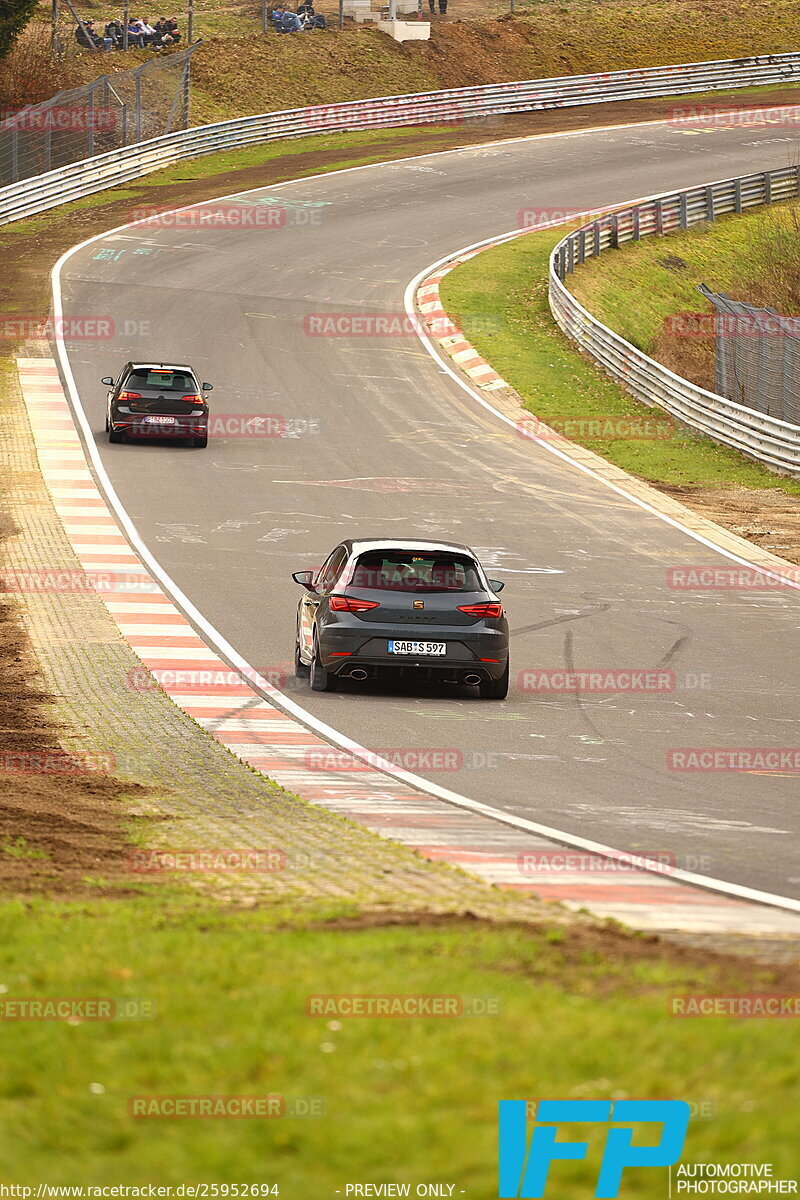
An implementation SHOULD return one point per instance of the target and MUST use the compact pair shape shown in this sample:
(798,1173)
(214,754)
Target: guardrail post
(636,223)
(710,202)
(570,255)
(596,244)
(789,344)
(768,187)
(615,231)
(138,105)
(186,85)
(737,195)
(683,219)
(659,216)
(90,130)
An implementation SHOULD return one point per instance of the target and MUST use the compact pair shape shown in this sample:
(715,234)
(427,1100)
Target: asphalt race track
(400,448)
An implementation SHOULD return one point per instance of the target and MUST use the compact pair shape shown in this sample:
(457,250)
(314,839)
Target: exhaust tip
(358,673)
(472,679)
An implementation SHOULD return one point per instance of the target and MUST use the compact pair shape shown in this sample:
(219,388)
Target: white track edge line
(217,640)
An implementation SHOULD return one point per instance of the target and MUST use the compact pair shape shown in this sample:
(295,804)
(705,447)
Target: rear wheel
(201,442)
(321,680)
(495,689)
(115,435)
(301,669)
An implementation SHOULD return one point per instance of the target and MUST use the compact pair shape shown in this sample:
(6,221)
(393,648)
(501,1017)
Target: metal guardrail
(110,112)
(771,441)
(91,175)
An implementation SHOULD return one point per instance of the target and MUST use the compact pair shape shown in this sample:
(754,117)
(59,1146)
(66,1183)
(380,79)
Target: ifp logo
(524,1168)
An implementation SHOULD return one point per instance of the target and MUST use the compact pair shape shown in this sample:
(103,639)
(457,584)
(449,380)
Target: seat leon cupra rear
(157,400)
(403,609)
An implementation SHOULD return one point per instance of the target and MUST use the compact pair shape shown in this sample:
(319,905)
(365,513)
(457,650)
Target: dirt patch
(768,518)
(690,357)
(55,828)
(238,71)
(580,942)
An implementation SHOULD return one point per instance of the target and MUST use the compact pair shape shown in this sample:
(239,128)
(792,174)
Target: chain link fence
(112,111)
(757,361)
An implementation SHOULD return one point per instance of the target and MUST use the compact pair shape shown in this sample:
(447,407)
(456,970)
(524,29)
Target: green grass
(20,848)
(508,284)
(405,1099)
(722,255)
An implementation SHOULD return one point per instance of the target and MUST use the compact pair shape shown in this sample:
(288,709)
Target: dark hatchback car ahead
(157,400)
(383,608)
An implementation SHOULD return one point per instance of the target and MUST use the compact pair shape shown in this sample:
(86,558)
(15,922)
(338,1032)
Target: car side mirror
(207,387)
(496,585)
(304,578)
(108,381)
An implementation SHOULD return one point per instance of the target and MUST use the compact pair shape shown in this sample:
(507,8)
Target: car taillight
(351,604)
(126,397)
(490,609)
(192,399)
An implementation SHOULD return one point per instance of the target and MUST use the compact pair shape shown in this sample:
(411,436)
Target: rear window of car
(165,381)
(410,571)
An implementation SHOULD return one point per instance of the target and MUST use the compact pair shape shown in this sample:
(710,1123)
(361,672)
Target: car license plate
(421,648)
(160,420)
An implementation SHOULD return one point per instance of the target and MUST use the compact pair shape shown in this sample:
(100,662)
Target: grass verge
(559,385)
(752,257)
(579,1012)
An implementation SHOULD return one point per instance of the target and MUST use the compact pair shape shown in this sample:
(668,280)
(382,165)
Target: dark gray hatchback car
(157,400)
(398,608)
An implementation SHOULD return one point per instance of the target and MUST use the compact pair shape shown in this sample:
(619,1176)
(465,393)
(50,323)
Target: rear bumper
(138,429)
(477,652)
